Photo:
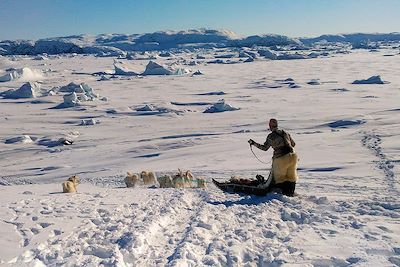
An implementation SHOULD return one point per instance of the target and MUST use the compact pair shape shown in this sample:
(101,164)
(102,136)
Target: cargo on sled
(259,187)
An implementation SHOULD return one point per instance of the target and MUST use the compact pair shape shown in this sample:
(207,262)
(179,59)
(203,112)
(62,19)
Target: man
(284,160)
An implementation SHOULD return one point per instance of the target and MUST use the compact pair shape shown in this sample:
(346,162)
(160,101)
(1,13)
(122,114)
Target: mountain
(119,44)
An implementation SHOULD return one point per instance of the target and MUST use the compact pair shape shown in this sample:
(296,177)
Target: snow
(347,212)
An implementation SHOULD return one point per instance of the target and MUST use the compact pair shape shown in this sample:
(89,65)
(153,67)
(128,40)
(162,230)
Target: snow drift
(23,74)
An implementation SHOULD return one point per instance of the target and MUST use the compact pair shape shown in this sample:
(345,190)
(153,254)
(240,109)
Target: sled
(235,188)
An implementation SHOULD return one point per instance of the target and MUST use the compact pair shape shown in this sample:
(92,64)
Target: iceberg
(27,90)
(371,80)
(121,69)
(154,68)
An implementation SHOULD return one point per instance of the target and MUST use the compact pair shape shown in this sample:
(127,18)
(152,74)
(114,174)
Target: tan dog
(235,179)
(178,181)
(131,179)
(70,185)
(201,183)
(148,177)
(188,178)
(165,181)
(183,179)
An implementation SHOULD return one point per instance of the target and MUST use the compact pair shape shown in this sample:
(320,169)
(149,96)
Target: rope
(267,163)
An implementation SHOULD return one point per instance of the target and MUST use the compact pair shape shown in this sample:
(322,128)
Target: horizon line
(201,28)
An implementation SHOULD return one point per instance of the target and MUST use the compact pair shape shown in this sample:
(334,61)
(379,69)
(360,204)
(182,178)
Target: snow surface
(347,135)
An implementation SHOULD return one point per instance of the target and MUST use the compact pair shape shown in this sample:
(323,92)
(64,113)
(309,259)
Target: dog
(70,185)
(188,178)
(131,179)
(178,181)
(148,177)
(165,181)
(201,183)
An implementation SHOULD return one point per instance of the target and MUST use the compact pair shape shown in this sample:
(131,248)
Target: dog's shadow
(56,193)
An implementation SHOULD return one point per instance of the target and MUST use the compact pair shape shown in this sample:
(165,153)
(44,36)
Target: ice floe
(345,123)
(149,109)
(314,82)
(27,90)
(23,139)
(213,93)
(371,80)
(198,72)
(121,69)
(154,68)
(77,94)
(220,106)
(268,54)
(89,122)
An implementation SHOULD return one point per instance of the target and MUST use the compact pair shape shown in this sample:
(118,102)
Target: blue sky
(34,19)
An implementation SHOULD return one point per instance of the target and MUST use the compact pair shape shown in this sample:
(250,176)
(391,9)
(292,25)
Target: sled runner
(251,187)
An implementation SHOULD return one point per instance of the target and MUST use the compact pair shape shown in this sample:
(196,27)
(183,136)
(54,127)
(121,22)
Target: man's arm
(264,147)
(291,141)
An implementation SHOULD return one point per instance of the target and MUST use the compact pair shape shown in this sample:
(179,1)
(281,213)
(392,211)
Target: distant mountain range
(119,44)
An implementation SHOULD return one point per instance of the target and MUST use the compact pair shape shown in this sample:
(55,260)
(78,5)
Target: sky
(34,19)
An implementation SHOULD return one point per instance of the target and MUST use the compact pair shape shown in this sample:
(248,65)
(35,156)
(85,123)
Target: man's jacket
(280,141)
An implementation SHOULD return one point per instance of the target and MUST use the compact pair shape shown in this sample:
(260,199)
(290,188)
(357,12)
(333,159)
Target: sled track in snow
(149,234)
(373,141)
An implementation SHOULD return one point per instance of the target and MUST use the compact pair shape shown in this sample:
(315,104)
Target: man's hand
(251,142)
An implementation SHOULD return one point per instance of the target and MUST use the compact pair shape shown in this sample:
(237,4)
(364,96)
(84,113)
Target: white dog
(148,177)
(165,181)
(131,179)
(70,185)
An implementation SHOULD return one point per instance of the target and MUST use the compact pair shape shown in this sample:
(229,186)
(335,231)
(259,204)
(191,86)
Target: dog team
(180,180)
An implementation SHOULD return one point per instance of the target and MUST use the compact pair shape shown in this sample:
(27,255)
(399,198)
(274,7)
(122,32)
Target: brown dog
(148,177)
(71,184)
(131,179)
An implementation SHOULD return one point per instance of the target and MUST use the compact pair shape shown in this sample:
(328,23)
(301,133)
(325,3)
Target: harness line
(266,163)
